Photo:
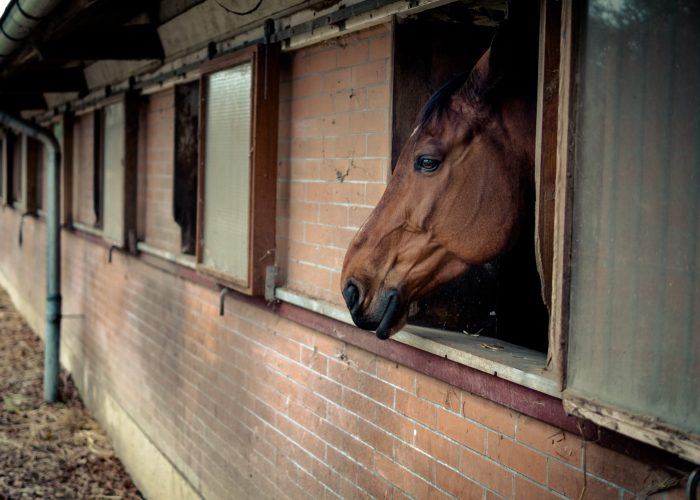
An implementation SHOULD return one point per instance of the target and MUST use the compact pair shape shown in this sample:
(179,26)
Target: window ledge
(507,361)
(85,228)
(183,260)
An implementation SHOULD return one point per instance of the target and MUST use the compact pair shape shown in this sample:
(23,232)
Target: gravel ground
(48,450)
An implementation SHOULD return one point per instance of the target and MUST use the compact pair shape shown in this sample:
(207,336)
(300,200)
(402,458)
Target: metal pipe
(19,21)
(52,335)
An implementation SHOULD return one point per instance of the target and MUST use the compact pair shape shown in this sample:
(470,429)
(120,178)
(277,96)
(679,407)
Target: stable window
(503,299)
(185,167)
(105,189)
(113,169)
(36,159)
(21,176)
(237,176)
(86,185)
(633,345)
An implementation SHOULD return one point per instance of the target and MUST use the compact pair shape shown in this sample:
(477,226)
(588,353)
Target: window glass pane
(227,171)
(635,293)
(113,161)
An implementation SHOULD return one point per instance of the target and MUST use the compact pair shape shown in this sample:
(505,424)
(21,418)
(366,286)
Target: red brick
(341,147)
(438,447)
(336,215)
(342,418)
(361,360)
(414,460)
(304,87)
(550,440)
(349,100)
(370,73)
(570,482)
(516,456)
(457,484)
(397,375)
(359,404)
(379,145)
(438,392)
(526,490)
(354,53)
(417,409)
(375,486)
(617,468)
(309,63)
(376,437)
(459,429)
(317,362)
(486,472)
(373,121)
(305,212)
(337,80)
(395,423)
(380,47)
(308,127)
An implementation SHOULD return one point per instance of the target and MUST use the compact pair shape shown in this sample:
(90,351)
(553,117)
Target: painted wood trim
(263,178)
(545,142)
(559,317)
(641,427)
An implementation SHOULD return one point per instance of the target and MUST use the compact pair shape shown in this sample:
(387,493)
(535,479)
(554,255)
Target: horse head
(460,191)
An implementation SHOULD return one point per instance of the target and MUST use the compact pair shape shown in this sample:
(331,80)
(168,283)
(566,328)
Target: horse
(461,196)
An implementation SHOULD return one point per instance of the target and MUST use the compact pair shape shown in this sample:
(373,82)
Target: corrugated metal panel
(227,171)
(635,294)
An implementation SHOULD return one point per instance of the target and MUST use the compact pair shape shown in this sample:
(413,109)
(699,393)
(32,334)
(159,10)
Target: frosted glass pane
(634,339)
(227,171)
(113,161)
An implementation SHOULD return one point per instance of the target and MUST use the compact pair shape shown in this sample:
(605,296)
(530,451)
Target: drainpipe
(52,335)
(19,21)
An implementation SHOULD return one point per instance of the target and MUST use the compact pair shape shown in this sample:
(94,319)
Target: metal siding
(634,332)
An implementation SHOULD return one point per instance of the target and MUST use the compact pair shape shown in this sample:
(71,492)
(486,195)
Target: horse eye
(426,164)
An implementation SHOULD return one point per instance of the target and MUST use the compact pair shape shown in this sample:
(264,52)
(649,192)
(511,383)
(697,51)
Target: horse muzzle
(385,314)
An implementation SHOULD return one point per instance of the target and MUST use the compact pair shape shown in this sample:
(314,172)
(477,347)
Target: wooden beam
(22,101)
(123,43)
(46,80)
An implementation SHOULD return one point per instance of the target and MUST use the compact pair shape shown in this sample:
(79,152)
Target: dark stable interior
(501,299)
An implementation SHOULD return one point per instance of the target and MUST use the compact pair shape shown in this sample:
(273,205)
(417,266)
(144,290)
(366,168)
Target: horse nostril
(351,294)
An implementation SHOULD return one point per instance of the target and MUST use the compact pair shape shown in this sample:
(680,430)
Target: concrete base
(152,473)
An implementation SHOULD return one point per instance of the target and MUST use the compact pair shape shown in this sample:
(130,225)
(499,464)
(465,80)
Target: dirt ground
(48,450)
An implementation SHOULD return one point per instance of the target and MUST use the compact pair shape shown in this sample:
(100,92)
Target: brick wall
(251,404)
(156,132)
(333,156)
(254,405)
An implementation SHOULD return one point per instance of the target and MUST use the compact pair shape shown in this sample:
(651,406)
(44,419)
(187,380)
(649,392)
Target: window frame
(126,238)
(263,164)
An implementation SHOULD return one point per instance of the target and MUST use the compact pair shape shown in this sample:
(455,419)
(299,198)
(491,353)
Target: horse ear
(513,55)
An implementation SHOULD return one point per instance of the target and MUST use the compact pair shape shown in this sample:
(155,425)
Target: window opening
(185,174)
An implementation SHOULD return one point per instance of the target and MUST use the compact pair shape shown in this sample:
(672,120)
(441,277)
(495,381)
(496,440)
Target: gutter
(52,334)
(18,22)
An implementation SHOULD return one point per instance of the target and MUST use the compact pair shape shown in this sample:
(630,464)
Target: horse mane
(440,100)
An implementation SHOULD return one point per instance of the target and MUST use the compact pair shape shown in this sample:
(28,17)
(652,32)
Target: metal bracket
(222,295)
(693,483)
